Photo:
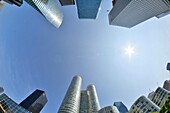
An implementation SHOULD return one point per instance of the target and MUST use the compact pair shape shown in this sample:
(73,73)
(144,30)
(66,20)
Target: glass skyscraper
(67,2)
(49,9)
(7,105)
(121,107)
(35,102)
(88,9)
(80,101)
(16,2)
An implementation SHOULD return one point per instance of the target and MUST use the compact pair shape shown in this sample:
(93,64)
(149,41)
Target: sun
(129,50)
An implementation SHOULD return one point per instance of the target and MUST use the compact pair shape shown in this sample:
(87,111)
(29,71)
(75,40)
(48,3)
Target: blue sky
(34,54)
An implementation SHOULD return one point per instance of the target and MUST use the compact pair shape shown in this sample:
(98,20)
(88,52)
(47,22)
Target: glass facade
(17,2)
(88,9)
(121,107)
(67,2)
(7,105)
(35,102)
(49,9)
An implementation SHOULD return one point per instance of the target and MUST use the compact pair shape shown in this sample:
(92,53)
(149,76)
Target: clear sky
(34,54)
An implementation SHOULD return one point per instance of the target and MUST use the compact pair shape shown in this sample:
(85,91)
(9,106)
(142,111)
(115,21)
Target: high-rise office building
(7,105)
(167,85)
(94,105)
(35,102)
(80,101)
(160,96)
(49,9)
(121,107)
(71,102)
(151,95)
(88,9)
(128,13)
(1,90)
(143,105)
(168,67)
(16,2)
(109,109)
(67,2)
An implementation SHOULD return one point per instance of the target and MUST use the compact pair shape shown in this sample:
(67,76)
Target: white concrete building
(160,96)
(143,105)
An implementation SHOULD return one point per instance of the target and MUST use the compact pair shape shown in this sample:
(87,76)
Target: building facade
(7,105)
(128,13)
(49,9)
(16,2)
(80,101)
(143,105)
(1,90)
(167,85)
(121,107)
(67,2)
(160,96)
(109,109)
(71,102)
(88,9)
(35,102)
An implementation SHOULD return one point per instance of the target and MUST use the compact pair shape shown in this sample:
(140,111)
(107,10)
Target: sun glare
(129,50)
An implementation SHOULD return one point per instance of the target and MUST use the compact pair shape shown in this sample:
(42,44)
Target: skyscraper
(168,67)
(143,105)
(109,109)
(128,13)
(94,105)
(1,90)
(88,9)
(160,96)
(80,101)
(167,85)
(67,2)
(16,2)
(35,102)
(71,102)
(121,107)
(7,105)
(49,9)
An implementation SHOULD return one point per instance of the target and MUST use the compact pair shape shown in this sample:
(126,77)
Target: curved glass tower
(49,9)
(71,102)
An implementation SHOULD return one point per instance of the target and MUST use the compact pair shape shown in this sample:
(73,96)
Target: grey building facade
(167,85)
(80,101)
(128,13)
(49,9)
